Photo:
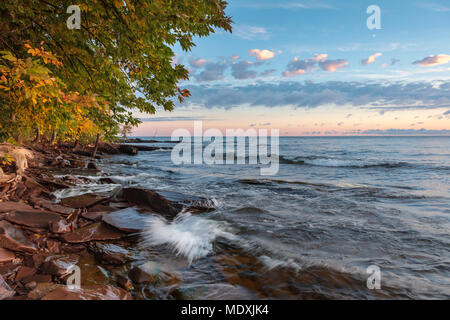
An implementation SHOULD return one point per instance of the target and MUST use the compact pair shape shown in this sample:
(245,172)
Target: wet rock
(128,220)
(150,199)
(14,239)
(25,272)
(124,282)
(5,290)
(94,232)
(53,246)
(98,292)
(92,165)
(127,149)
(54,207)
(151,272)
(42,289)
(106,181)
(6,255)
(37,278)
(83,201)
(217,291)
(61,226)
(31,285)
(100,208)
(8,206)
(34,219)
(110,254)
(93,216)
(194,203)
(59,265)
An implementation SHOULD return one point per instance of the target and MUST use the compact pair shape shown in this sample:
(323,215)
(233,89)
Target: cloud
(396,132)
(267,72)
(433,60)
(262,54)
(446,113)
(371,59)
(235,57)
(212,71)
(378,96)
(240,70)
(298,67)
(251,32)
(333,65)
(394,61)
(177,118)
(435,7)
(197,63)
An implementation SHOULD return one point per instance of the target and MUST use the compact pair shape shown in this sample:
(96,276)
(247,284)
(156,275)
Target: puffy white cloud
(262,54)
(433,60)
(371,59)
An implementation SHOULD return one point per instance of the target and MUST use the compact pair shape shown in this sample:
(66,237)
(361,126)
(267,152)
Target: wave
(187,235)
(330,162)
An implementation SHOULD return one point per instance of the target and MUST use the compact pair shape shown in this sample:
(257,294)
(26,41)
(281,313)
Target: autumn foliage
(70,84)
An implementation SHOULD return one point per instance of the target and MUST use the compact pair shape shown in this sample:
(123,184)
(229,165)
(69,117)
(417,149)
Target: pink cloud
(433,60)
(333,65)
(371,59)
(262,54)
(197,63)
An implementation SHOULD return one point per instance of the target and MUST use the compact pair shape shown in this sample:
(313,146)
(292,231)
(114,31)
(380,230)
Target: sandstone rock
(150,199)
(152,272)
(128,220)
(5,290)
(94,232)
(61,226)
(34,219)
(14,239)
(82,201)
(110,254)
(8,206)
(6,255)
(98,292)
(42,289)
(59,265)
(25,272)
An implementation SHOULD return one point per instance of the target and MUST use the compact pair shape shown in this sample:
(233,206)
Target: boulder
(94,232)
(150,200)
(25,272)
(127,149)
(97,292)
(14,239)
(128,220)
(92,165)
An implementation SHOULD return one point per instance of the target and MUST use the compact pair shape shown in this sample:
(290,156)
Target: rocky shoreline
(43,240)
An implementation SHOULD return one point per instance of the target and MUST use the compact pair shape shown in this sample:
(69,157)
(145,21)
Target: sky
(315,68)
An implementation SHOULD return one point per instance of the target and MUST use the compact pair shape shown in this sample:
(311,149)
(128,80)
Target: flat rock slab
(33,219)
(150,199)
(108,253)
(94,232)
(98,292)
(82,201)
(6,255)
(129,220)
(154,273)
(8,206)
(14,239)
(193,202)
(59,265)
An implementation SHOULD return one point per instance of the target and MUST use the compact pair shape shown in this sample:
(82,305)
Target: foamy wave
(330,162)
(271,263)
(188,235)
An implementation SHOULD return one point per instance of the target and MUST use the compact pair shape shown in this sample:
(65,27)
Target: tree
(122,55)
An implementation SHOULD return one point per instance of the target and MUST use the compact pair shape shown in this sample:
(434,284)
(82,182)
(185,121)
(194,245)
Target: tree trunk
(94,153)
(53,141)
(38,136)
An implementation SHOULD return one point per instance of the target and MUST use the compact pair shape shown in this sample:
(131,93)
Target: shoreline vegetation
(62,88)
(42,240)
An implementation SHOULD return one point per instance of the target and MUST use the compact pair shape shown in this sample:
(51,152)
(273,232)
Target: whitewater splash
(187,235)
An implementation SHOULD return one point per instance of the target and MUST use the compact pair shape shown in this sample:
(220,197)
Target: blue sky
(314,68)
